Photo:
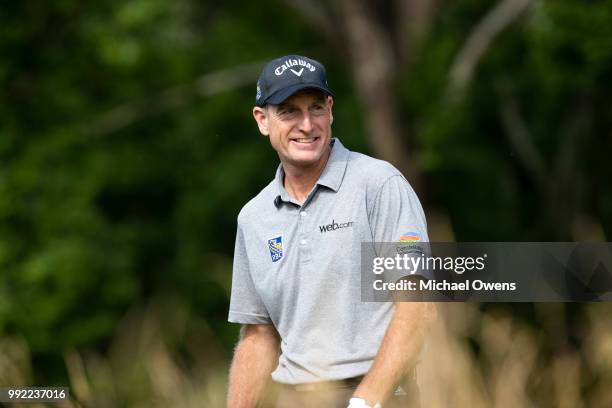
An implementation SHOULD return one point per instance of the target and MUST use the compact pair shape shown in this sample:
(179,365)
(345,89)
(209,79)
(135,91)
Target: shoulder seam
(381,187)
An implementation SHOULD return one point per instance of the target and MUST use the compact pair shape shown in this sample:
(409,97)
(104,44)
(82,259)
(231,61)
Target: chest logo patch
(275,245)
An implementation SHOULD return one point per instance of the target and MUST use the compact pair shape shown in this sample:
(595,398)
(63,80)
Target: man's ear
(330,103)
(261,117)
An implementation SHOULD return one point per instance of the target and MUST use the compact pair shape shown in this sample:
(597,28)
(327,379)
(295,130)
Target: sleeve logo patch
(275,245)
(410,237)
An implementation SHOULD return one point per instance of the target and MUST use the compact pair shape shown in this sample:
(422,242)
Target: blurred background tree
(127,146)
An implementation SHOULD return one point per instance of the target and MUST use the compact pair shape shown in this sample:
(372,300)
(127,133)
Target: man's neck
(299,181)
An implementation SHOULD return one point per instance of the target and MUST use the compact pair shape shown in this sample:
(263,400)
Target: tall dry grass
(494,359)
(161,356)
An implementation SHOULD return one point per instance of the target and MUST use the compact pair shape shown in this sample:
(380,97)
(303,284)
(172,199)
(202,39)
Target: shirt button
(303,242)
(303,213)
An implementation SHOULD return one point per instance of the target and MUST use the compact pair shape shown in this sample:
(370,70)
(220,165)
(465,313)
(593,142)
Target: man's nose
(305,124)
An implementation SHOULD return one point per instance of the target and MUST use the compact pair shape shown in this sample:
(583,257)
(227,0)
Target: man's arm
(396,210)
(255,358)
(398,352)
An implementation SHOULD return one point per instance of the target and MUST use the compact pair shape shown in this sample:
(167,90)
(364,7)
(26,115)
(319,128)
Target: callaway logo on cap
(284,76)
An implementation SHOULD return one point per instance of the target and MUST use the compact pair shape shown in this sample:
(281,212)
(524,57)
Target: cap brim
(280,96)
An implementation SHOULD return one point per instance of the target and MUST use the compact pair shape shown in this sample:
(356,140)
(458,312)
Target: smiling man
(296,284)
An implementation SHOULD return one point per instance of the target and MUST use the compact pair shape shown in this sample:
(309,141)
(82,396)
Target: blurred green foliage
(94,222)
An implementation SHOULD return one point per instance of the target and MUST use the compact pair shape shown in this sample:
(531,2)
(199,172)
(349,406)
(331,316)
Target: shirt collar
(331,177)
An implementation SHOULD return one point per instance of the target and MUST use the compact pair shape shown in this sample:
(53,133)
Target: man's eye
(318,109)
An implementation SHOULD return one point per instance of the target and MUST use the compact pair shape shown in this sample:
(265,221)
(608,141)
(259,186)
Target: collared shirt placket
(305,228)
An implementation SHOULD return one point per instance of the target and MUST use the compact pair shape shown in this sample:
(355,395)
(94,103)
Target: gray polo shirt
(298,266)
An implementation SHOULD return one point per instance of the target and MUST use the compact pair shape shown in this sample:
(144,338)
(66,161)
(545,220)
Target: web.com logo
(335,226)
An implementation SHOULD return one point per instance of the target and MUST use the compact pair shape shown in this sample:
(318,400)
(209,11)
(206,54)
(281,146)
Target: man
(296,283)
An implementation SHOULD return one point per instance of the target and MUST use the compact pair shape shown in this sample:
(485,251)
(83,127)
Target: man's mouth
(305,140)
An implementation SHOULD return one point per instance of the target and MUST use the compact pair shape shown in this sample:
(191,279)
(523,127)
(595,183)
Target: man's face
(299,128)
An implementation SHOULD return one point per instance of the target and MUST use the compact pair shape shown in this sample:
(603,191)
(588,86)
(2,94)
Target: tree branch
(207,85)
(374,69)
(556,183)
(414,18)
(480,39)
(519,138)
(316,15)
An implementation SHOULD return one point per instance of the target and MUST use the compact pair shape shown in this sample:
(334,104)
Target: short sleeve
(397,217)
(397,213)
(246,306)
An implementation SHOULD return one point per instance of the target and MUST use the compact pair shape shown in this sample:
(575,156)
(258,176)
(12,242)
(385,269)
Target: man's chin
(305,160)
